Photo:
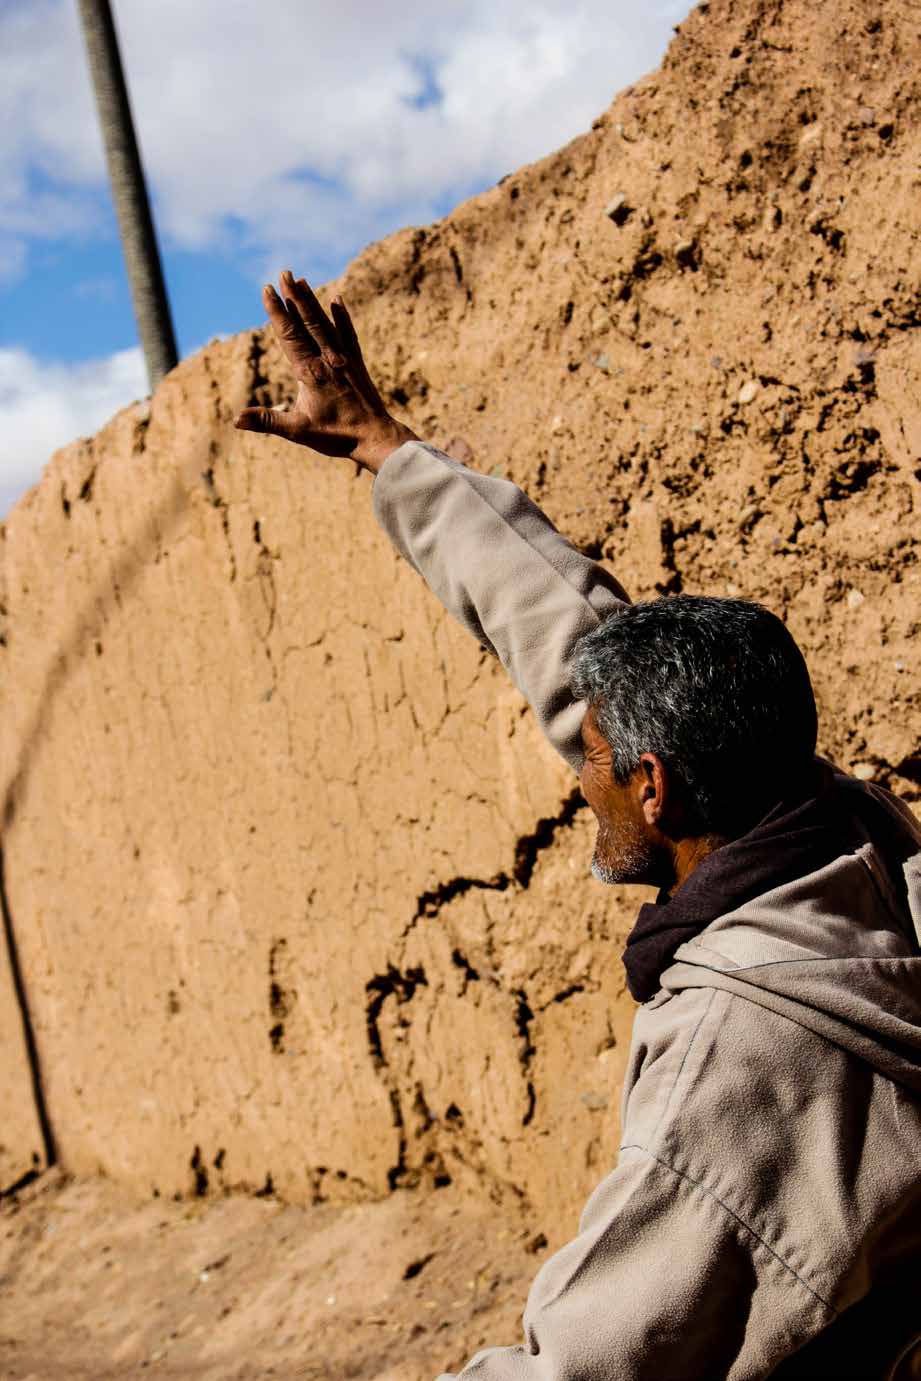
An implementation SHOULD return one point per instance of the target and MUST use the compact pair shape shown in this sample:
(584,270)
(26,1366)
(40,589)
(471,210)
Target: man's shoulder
(789,1133)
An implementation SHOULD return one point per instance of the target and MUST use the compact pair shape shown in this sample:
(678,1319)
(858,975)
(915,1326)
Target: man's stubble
(623,855)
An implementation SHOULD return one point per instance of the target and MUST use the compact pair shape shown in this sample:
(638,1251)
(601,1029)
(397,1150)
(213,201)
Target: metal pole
(129,191)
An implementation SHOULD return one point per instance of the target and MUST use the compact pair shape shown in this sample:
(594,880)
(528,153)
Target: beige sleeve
(500,567)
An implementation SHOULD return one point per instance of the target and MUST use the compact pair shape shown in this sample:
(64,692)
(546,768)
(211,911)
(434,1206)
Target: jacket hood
(838,951)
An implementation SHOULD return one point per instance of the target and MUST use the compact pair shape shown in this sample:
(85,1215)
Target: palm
(326,411)
(337,407)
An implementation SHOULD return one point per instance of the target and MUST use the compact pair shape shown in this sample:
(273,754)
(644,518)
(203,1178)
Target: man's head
(701,714)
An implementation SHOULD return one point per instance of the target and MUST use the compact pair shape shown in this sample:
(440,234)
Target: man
(764,1216)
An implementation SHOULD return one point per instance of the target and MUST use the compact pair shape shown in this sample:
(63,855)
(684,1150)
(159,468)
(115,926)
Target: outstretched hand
(338,411)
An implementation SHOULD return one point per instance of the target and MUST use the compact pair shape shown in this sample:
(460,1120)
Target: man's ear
(655,792)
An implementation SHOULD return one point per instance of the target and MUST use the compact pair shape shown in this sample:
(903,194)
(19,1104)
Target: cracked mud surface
(300,897)
(251,753)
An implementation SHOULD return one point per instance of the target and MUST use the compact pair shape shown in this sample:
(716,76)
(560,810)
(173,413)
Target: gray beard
(622,855)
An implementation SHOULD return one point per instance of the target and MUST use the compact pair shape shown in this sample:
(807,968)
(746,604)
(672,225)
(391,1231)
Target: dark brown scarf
(824,817)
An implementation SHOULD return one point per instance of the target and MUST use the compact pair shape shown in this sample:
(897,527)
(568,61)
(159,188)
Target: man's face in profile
(624,850)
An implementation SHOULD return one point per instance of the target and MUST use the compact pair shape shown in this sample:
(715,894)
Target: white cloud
(281,130)
(50,154)
(236,103)
(45,404)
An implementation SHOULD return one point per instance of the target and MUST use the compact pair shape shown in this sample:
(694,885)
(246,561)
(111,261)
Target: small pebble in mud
(855,599)
(685,253)
(748,392)
(863,771)
(618,210)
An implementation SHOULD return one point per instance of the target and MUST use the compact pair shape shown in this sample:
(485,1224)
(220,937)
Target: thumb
(273,421)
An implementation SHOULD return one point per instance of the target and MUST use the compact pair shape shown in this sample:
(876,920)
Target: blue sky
(288,132)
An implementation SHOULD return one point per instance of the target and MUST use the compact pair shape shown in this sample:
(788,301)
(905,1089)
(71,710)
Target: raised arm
(490,555)
(500,567)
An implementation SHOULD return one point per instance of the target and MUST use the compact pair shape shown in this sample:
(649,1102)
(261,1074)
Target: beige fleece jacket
(764,1215)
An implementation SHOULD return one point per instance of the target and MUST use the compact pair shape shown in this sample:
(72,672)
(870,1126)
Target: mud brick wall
(302,899)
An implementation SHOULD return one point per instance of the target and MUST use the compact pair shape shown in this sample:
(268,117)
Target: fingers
(325,357)
(271,421)
(312,316)
(348,336)
(297,345)
(358,370)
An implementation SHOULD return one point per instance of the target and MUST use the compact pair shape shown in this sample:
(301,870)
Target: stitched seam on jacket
(755,996)
(883,892)
(706,949)
(817,959)
(684,1058)
(699,1184)
(462,472)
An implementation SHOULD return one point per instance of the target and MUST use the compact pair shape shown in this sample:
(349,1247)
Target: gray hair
(717,688)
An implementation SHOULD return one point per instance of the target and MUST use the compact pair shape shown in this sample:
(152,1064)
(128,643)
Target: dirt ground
(96,1286)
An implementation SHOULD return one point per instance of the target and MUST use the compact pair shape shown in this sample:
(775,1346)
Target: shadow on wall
(85,626)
